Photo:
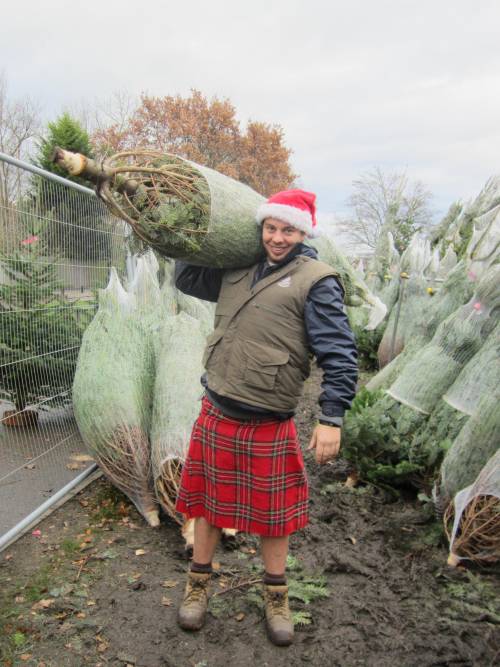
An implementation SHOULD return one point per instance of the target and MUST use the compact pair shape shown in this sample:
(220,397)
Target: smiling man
(244,468)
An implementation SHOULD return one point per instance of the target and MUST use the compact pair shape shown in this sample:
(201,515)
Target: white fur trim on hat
(294,216)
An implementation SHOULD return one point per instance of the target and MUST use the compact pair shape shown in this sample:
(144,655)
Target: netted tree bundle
(472,520)
(479,376)
(181,209)
(413,301)
(474,445)
(447,263)
(385,261)
(177,395)
(427,376)
(455,292)
(440,236)
(483,248)
(112,395)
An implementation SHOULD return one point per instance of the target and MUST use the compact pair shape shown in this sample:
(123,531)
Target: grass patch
(36,588)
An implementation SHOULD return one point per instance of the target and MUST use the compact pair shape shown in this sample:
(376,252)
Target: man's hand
(326,441)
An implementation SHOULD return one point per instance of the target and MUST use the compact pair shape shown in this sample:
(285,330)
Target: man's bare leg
(206,539)
(274,553)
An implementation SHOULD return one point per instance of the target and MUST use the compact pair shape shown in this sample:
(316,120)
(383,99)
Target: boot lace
(197,592)
(278,605)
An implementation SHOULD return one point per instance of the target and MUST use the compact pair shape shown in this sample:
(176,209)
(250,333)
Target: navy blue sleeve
(199,281)
(332,342)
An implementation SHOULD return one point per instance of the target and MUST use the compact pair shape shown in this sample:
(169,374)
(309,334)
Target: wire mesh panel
(57,244)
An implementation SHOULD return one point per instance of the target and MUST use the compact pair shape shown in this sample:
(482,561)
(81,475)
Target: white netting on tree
(413,299)
(137,383)
(427,376)
(447,263)
(112,395)
(477,441)
(454,292)
(177,396)
(472,522)
(479,376)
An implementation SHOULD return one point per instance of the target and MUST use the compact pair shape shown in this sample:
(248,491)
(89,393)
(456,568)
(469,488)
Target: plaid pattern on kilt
(247,475)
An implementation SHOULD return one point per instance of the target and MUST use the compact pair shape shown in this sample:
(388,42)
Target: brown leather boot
(193,610)
(279,622)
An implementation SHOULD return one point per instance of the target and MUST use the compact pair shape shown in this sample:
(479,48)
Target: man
(244,467)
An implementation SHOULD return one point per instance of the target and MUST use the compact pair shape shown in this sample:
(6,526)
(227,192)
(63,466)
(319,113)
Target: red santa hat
(296,207)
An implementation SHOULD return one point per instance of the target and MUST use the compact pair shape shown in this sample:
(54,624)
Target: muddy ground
(96,586)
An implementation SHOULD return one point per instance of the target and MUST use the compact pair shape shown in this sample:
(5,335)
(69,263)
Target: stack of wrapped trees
(430,416)
(136,390)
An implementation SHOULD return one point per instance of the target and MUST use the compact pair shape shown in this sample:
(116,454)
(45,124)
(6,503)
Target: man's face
(279,238)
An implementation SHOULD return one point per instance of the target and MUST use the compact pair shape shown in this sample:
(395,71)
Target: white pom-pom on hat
(296,207)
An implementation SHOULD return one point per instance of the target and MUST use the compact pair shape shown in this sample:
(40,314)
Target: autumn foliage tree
(207,132)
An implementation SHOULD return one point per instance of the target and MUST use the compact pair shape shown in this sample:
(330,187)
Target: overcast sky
(402,84)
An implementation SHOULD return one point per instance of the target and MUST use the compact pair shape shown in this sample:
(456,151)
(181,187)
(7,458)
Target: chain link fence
(57,244)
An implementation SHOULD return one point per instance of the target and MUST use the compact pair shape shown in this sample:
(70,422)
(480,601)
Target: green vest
(258,353)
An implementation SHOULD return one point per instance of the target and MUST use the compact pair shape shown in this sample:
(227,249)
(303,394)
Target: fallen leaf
(169,583)
(43,604)
(240,616)
(30,466)
(216,566)
(166,602)
(91,603)
(81,457)
(73,466)
(81,614)
(84,503)
(19,598)
(26,656)
(140,552)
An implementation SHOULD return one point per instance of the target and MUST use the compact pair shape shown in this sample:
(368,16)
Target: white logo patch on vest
(285,282)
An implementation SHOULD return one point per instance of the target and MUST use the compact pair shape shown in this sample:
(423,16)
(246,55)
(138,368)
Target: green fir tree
(78,229)
(40,331)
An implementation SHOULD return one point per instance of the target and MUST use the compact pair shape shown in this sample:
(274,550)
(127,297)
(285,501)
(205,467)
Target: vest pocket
(263,364)
(212,341)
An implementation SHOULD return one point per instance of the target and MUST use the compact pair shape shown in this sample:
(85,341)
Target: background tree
(75,230)
(40,332)
(389,199)
(19,122)
(206,132)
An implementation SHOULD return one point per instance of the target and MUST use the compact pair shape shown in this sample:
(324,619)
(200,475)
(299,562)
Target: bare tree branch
(19,124)
(380,199)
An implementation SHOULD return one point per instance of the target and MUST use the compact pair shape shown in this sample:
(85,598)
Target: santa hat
(296,207)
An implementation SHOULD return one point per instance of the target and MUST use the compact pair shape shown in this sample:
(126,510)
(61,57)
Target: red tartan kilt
(247,475)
